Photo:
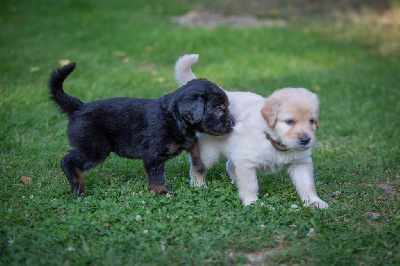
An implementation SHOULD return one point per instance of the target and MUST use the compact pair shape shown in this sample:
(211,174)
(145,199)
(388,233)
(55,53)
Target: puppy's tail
(67,104)
(183,71)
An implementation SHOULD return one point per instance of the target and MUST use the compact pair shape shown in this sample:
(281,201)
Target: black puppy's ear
(192,112)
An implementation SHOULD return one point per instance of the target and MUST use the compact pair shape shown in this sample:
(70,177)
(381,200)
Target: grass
(128,48)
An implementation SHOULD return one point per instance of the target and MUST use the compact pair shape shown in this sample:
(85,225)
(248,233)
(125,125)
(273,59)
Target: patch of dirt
(387,187)
(211,20)
(374,222)
(377,219)
(286,8)
(383,32)
(389,190)
(258,256)
(381,16)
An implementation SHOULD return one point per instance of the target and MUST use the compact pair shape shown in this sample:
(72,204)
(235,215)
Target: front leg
(246,181)
(156,176)
(197,168)
(204,153)
(302,175)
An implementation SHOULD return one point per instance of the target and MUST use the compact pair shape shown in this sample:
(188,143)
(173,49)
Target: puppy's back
(244,104)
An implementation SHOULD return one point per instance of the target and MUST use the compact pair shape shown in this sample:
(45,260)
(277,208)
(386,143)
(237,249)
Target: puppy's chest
(270,168)
(273,161)
(174,148)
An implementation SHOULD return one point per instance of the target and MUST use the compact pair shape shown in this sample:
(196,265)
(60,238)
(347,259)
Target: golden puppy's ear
(270,111)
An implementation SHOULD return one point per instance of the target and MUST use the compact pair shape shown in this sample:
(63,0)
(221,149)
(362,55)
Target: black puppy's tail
(67,104)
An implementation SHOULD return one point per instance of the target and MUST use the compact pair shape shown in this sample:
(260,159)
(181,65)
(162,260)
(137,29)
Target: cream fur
(183,70)
(247,149)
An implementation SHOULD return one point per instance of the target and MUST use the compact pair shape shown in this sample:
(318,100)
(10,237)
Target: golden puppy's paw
(249,200)
(316,203)
(196,181)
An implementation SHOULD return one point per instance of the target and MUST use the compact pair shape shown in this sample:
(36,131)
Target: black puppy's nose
(230,123)
(304,140)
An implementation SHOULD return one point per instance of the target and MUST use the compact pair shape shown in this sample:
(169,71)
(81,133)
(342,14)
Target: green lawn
(128,48)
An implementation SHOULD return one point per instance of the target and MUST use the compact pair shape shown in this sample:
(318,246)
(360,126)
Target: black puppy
(151,129)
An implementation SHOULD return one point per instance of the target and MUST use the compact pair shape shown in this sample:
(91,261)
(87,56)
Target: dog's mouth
(303,148)
(300,147)
(305,143)
(218,132)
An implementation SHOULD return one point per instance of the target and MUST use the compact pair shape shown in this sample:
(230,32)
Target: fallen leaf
(274,12)
(317,88)
(62,213)
(34,69)
(161,79)
(106,225)
(64,62)
(26,179)
(126,59)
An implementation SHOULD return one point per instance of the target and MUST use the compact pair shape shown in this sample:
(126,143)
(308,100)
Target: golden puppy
(269,133)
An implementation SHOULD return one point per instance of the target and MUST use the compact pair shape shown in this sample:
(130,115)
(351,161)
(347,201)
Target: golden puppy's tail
(183,71)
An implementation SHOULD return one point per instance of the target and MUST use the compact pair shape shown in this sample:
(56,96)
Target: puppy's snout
(230,123)
(304,140)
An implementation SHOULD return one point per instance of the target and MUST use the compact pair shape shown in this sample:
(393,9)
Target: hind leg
(73,165)
(73,170)
(90,147)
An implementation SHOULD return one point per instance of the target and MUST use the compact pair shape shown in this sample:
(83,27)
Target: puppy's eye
(312,121)
(219,111)
(289,122)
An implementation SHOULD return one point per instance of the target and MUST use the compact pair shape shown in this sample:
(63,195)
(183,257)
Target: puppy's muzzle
(230,123)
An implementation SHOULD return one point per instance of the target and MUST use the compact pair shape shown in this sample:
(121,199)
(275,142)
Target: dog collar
(176,119)
(277,145)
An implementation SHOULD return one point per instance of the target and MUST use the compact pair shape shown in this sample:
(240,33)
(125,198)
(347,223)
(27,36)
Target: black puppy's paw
(79,191)
(165,193)
(160,190)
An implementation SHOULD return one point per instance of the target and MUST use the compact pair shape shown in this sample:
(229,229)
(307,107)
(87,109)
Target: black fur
(153,130)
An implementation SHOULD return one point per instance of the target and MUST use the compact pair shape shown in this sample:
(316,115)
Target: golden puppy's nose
(304,140)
